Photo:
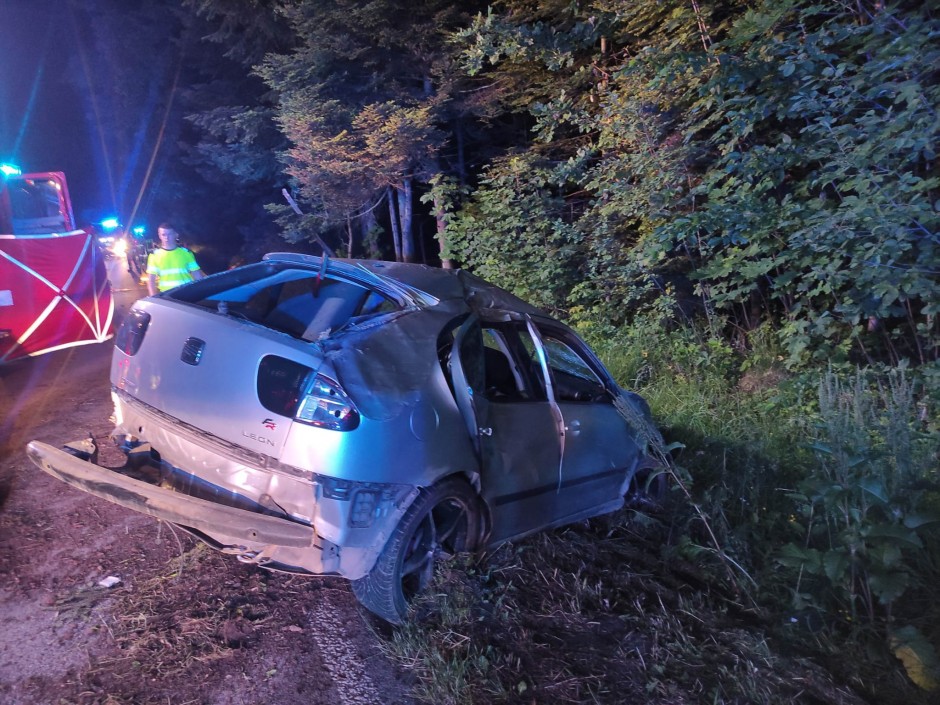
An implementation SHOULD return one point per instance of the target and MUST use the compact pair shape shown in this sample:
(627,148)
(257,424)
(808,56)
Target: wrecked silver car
(358,418)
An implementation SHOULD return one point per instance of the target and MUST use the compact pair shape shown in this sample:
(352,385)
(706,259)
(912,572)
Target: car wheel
(441,522)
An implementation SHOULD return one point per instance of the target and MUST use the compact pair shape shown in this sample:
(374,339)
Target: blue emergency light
(10,170)
(110,223)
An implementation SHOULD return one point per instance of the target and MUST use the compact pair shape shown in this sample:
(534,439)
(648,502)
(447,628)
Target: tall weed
(741,442)
(862,509)
(832,475)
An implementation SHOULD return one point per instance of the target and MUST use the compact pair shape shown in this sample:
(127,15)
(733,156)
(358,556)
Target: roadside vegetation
(738,206)
(794,559)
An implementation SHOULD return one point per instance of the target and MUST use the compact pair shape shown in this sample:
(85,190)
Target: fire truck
(54,288)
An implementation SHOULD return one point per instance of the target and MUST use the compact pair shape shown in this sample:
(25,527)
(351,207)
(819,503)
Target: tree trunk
(368,227)
(441,224)
(396,229)
(405,214)
(703,30)
(349,232)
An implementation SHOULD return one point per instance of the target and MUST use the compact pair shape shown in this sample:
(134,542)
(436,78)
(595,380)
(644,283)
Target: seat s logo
(269,424)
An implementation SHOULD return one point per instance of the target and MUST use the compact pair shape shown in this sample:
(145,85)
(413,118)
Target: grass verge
(821,486)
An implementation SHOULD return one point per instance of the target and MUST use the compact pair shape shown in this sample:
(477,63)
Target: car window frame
(562,333)
(209,294)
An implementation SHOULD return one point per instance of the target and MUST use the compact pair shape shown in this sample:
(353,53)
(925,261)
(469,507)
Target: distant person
(136,257)
(171,264)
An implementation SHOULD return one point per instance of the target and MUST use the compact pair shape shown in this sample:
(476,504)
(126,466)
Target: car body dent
(248,526)
(327,544)
(254,475)
(542,458)
(193,418)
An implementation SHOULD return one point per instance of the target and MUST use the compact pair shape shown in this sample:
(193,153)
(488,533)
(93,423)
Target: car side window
(375,304)
(496,362)
(292,300)
(502,380)
(522,353)
(574,379)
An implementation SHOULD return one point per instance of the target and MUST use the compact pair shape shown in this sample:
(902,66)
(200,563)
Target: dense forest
(765,163)
(737,202)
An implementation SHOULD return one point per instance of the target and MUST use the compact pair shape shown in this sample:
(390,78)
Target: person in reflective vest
(171,264)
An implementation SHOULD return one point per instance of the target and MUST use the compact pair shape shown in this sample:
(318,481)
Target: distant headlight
(119,247)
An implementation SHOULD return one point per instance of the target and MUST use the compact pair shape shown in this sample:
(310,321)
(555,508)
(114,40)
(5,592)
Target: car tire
(440,523)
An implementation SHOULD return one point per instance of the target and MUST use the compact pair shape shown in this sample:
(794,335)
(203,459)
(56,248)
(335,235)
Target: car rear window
(286,298)
(281,383)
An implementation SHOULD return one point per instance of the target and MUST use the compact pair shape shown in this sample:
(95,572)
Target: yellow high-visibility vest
(172,267)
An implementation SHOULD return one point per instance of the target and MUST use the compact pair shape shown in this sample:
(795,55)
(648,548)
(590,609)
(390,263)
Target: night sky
(42,118)
(48,103)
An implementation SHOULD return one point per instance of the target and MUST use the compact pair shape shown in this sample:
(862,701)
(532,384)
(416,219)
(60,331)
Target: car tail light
(131,333)
(326,405)
(291,389)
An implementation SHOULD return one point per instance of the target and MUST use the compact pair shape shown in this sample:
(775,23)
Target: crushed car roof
(383,363)
(443,284)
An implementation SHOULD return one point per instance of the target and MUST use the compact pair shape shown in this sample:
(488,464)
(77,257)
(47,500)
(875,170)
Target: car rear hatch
(207,371)
(236,356)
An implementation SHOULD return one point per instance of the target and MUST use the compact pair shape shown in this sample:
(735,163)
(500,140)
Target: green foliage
(780,155)
(605,149)
(240,142)
(819,192)
(739,431)
(852,546)
(365,97)
(861,512)
(918,656)
(247,29)
(515,218)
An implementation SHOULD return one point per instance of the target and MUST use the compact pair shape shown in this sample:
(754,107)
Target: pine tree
(366,98)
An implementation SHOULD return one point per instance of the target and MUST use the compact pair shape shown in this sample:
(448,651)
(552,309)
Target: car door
(516,432)
(599,451)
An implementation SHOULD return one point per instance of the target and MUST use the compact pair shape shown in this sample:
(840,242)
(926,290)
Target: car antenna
(327,252)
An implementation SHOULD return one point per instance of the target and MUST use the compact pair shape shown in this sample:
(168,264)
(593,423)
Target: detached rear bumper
(203,515)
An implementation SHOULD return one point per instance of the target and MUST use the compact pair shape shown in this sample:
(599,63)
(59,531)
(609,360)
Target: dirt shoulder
(183,624)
